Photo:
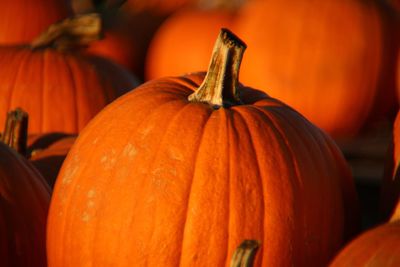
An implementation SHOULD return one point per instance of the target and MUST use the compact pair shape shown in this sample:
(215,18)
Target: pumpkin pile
(133,138)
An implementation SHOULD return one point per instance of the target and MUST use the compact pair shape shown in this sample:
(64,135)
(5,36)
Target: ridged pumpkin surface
(60,91)
(22,20)
(156,180)
(24,201)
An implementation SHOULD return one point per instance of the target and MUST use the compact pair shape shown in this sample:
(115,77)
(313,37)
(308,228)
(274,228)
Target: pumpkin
(22,20)
(24,201)
(171,50)
(321,57)
(390,189)
(61,91)
(190,173)
(46,151)
(126,35)
(377,247)
(49,159)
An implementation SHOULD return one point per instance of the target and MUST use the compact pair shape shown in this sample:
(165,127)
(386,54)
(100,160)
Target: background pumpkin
(61,91)
(171,49)
(24,201)
(323,58)
(376,247)
(48,160)
(390,189)
(210,175)
(22,20)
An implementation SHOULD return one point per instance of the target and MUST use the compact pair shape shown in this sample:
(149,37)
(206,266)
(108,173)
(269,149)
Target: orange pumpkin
(48,160)
(190,173)
(60,90)
(24,201)
(126,35)
(321,57)
(375,248)
(390,189)
(22,20)
(171,49)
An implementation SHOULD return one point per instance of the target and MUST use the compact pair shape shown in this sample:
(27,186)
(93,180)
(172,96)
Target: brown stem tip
(220,86)
(245,254)
(16,130)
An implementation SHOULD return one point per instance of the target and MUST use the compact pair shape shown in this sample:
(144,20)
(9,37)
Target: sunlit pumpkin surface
(156,180)
(60,91)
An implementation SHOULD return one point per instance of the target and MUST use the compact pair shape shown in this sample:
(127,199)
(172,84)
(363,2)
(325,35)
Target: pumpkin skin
(321,57)
(190,183)
(22,20)
(171,49)
(375,248)
(25,198)
(60,91)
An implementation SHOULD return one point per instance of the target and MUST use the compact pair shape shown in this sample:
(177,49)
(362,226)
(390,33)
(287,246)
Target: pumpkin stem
(245,254)
(220,86)
(77,31)
(16,131)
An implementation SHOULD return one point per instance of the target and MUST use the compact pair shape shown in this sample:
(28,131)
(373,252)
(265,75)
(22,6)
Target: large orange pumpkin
(24,201)
(61,91)
(22,20)
(321,57)
(188,180)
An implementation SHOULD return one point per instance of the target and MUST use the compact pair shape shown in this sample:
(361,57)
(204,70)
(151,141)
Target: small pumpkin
(46,151)
(50,159)
(192,165)
(60,90)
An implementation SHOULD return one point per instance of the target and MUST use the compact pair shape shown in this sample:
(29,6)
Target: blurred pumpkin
(22,20)
(378,247)
(192,165)
(49,160)
(60,90)
(126,34)
(171,49)
(321,57)
(45,151)
(390,189)
(24,201)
